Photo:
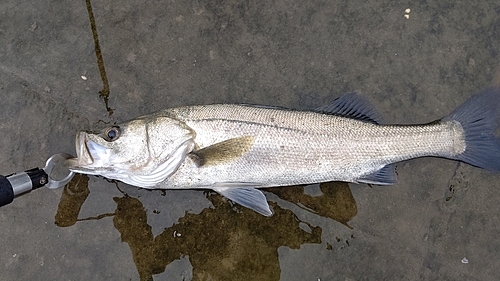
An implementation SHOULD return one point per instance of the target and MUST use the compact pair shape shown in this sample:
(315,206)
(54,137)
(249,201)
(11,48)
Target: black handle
(15,184)
(6,191)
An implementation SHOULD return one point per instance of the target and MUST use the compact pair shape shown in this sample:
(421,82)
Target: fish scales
(295,147)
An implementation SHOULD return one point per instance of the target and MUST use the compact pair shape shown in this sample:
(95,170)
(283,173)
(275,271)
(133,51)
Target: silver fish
(235,149)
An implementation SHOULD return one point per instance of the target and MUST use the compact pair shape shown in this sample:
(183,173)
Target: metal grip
(15,184)
(18,183)
(38,177)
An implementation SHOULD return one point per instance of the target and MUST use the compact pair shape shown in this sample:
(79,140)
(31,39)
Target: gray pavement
(441,222)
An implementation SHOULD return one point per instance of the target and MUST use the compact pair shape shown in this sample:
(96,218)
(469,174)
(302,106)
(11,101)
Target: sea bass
(235,149)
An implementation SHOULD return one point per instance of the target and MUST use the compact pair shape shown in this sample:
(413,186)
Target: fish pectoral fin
(384,176)
(249,197)
(353,106)
(222,152)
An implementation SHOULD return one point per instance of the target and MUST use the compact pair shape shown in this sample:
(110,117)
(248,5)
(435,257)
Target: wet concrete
(284,53)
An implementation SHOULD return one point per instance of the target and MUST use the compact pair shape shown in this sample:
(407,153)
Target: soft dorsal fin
(353,106)
(222,152)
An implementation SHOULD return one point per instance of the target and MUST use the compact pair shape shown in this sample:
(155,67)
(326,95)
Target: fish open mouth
(84,157)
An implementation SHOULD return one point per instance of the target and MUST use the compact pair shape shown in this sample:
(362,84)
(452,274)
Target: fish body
(283,147)
(234,149)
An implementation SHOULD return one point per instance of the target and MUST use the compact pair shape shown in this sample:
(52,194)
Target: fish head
(141,152)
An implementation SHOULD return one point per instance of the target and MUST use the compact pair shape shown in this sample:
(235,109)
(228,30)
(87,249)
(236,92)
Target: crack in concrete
(104,93)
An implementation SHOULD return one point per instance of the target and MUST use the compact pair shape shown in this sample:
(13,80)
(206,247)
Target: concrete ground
(441,222)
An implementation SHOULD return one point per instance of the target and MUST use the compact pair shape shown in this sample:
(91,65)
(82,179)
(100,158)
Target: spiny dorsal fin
(223,152)
(353,106)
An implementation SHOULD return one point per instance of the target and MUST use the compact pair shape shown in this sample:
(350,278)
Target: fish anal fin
(223,152)
(384,176)
(249,197)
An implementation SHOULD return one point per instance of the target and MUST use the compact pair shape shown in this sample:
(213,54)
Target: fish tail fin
(480,120)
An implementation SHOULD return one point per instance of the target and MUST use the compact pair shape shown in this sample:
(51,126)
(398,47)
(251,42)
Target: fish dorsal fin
(384,176)
(353,106)
(222,152)
(249,197)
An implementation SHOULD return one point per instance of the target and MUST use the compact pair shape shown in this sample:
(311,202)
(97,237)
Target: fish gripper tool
(18,183)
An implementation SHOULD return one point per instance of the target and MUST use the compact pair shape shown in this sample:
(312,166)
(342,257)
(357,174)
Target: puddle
(222,242)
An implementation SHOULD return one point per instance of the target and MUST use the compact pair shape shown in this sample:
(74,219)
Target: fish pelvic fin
(249,197)
(480,120)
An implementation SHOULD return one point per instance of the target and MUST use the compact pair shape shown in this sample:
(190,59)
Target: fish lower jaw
(79,164)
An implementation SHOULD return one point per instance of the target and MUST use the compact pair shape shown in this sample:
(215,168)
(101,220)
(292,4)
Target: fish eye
(112,133)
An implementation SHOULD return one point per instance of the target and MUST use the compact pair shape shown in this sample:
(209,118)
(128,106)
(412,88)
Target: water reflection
(74,195)
(336,201)
(227,242)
